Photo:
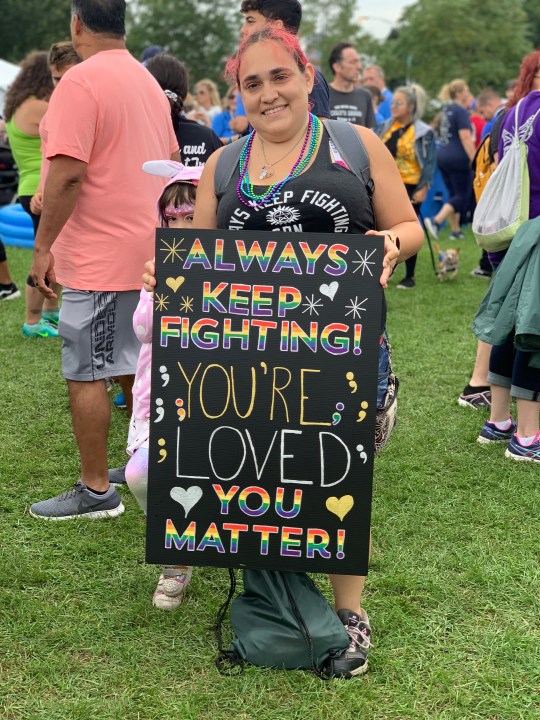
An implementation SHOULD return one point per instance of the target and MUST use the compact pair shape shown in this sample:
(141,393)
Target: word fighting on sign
(264,395)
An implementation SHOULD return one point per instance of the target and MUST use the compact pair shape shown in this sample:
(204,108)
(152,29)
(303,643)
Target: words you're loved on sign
(264,384)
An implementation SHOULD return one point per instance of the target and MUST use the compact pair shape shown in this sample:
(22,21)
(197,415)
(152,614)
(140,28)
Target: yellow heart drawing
(174,283)
(340,507)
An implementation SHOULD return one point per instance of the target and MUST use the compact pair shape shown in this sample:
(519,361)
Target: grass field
(453,590)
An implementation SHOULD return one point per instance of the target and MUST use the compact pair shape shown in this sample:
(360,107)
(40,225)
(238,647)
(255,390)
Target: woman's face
(274,90)
(400,109)
(465,97)
(202,95)
(231,100)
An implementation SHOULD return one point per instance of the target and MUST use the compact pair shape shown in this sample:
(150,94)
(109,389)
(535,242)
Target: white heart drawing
(187,498)
(330,290)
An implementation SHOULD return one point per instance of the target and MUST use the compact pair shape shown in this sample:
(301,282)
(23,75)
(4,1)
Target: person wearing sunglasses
(208,102)
(221,124)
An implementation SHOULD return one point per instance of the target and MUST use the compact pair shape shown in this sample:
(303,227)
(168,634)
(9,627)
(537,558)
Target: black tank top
(325,198)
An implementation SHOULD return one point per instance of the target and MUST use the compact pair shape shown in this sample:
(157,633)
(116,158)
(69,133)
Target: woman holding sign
(303,184)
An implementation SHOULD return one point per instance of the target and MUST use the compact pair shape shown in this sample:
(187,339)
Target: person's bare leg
(34,305)
(528,412)
(126,383)
(5,277)
(52,304)
(91,414)
(500,403)
(454,222)
(445,212)
(347,591)
(481,365)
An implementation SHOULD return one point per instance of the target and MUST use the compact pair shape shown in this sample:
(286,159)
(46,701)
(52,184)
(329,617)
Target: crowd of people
(84,118)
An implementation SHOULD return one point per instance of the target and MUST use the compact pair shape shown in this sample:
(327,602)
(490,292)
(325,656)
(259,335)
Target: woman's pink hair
(529,68)
(287,40)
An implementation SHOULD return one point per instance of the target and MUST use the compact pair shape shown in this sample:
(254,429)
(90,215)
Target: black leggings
(410,263)
(25,202)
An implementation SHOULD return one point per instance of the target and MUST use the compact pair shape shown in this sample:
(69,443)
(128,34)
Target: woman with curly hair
(25,105)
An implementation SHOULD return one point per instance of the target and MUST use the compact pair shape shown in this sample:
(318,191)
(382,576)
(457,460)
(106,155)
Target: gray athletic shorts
(97,334)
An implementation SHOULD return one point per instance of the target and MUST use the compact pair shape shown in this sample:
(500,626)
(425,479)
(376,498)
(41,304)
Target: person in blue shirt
(221,124)
(490,106)
(374,75)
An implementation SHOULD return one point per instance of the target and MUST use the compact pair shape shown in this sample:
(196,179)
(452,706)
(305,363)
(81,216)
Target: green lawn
(453,590)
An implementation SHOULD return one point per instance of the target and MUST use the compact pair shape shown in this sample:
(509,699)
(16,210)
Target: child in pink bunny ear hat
(175,210)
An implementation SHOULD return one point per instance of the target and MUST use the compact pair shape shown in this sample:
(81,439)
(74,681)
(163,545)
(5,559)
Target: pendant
(266,172)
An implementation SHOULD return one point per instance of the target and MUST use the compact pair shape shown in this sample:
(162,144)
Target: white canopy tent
(8,72)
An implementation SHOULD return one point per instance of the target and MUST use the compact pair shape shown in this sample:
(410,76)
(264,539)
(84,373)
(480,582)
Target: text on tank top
(327,197)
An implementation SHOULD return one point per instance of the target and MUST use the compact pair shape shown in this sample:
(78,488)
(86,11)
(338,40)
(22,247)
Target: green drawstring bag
(281,620)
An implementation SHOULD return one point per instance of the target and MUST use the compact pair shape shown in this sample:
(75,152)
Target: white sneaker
(169,592)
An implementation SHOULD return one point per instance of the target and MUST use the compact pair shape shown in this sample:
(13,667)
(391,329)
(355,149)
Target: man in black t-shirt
(348,102)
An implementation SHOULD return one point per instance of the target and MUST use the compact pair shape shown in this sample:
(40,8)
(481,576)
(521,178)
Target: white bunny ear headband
(175,171)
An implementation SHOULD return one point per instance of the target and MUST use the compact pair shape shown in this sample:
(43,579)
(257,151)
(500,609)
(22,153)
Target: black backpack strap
(226,165)
(228,662)
(351,148)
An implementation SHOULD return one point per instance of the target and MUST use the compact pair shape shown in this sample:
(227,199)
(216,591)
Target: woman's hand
(419,195)
(391,254)
(36,203)
(149,277)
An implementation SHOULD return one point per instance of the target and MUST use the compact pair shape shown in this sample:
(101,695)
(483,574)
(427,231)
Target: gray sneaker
(78,502)
(117,476)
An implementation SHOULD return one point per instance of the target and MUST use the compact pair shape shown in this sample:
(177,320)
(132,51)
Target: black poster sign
(264,384)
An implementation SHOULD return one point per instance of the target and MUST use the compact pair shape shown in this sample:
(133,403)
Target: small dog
(448,262)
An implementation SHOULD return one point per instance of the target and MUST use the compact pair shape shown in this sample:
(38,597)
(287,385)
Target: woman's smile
(274,110)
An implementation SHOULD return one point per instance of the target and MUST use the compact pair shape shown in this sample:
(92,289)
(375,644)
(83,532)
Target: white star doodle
(364,262)
(311,305)
(355,308)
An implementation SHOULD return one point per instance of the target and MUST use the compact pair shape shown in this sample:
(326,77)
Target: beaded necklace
(245,186)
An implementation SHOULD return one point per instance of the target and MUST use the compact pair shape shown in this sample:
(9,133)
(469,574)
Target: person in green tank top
(25,105)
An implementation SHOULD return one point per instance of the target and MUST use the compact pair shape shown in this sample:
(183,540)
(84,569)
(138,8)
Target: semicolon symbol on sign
(336,417)
(160,412)
(362,412)
(164,375)
(162,453)
(181,412)
(352,383)
(363,456)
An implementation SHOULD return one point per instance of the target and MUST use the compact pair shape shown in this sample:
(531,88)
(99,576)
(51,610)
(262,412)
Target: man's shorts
(97,334)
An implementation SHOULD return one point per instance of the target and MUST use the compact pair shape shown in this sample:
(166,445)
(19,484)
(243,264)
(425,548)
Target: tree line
(433,42)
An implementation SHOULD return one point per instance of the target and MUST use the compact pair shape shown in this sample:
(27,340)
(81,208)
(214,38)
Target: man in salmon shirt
(106,118)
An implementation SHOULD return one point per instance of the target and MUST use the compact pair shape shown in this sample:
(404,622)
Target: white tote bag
(504,204)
